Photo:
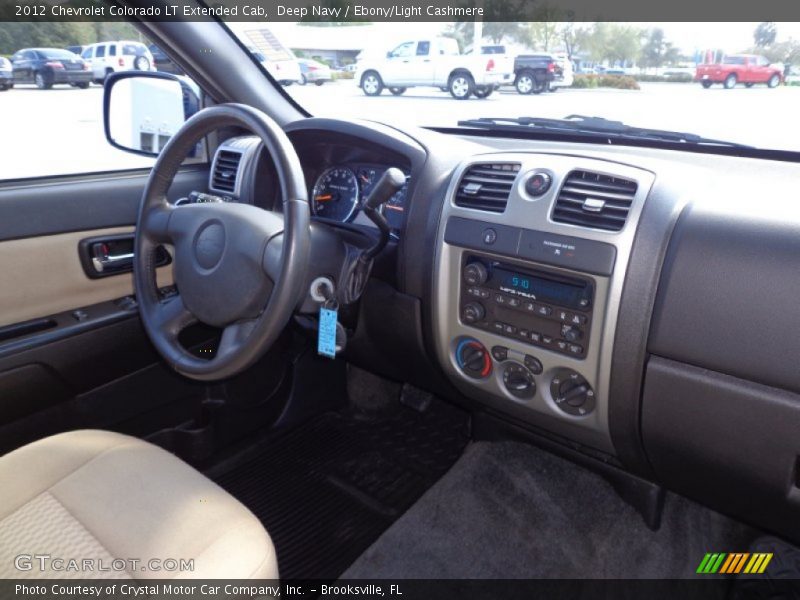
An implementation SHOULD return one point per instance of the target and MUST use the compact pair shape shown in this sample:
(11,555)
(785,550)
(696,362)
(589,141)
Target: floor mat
(327,490)
(508,510)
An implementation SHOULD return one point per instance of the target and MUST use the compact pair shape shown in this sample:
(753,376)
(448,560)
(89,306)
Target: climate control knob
(473,312)
(572,393)
(473,358)
(475,273)
(518,381)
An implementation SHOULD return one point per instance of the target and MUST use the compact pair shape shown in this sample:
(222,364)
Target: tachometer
(335,194)
(394,209)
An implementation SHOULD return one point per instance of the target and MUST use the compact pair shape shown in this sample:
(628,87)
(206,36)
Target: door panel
(48,276)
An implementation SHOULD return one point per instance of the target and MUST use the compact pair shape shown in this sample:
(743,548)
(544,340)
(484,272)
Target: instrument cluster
(339,192)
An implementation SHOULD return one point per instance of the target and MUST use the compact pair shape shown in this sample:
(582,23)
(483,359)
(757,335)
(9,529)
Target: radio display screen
(540,288)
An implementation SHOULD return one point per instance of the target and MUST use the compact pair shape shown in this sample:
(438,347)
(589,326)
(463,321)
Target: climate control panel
(539,308)
(523,378)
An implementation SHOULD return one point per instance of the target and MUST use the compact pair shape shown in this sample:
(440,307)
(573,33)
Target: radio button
(530,306)
(576,349)
(473,291)
(514,302)
(499,299)
(577,319)
(498,326)
(524,334)
(563,315)
(536,337)
(546,339)
(509,329)
(534,364)
(561,345)
(500,353)
(484,294)
(544,310)
(489,236)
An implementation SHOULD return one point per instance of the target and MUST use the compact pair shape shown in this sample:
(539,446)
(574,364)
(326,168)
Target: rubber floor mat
(326,490)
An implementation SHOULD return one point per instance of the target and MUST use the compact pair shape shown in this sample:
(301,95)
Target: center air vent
(226,166)
(594,200)
(487,186)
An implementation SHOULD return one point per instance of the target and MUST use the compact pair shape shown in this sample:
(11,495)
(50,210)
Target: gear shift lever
(391,182)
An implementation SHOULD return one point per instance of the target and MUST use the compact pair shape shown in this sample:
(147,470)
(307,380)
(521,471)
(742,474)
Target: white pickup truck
(433,62)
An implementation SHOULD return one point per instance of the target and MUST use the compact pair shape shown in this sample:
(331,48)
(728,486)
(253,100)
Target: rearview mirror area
(143,110)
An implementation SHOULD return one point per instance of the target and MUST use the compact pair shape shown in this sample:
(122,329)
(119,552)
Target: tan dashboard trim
(43,275)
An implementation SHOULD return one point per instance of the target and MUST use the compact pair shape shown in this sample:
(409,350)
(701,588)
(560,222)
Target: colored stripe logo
(734,562)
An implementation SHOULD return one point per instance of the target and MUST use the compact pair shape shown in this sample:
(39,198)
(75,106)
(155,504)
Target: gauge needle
(391,207)
(324,198)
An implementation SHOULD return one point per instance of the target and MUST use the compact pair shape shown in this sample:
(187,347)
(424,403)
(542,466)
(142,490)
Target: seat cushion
(102,496)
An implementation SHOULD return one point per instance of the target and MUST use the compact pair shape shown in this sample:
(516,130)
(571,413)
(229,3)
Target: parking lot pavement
(60,131)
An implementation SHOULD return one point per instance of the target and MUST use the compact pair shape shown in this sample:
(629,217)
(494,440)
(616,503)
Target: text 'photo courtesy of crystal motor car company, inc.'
(420,300)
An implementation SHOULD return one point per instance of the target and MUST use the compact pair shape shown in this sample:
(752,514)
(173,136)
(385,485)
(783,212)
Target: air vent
(487,186)
(226,166)
(594,200)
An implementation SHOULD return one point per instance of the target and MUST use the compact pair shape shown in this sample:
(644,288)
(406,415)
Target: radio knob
(473,312)
(475,273)
(571,334)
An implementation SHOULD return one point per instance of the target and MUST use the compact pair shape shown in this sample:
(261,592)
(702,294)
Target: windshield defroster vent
(226,167)
(594,200)
(487,186)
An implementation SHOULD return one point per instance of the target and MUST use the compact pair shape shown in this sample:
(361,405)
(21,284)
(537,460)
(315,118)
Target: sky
(688,37)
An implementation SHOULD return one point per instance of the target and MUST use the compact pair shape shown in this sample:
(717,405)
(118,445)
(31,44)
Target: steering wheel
(236,267)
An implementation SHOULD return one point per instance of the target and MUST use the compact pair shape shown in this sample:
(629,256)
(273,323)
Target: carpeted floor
(508,510)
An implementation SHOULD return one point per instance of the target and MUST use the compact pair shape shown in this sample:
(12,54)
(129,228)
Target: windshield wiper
(593,127)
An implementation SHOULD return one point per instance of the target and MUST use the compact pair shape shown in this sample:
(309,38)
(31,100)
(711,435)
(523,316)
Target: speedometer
(335,194)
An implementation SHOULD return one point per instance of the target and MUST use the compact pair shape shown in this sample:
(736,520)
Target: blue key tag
(326,340)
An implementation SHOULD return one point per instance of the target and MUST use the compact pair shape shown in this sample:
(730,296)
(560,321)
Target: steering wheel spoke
(156,222)
(234,336)
(171,316)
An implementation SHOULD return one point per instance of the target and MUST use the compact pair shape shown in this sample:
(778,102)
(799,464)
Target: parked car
(285,71)
(163,62)
(76,49)
(563,75)
(47,67)
(6,74)
(351,68)
(110,57)
(434,62)
(748,69)
(504,62)
(312,71)
(533,73)
(792,76)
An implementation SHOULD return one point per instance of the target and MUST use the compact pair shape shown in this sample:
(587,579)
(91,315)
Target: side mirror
(143,110)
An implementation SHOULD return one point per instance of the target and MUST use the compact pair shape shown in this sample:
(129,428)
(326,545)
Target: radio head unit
(537,307)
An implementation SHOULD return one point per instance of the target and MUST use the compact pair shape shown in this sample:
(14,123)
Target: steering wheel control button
(473,359)
(572,393)
(500,353)
(538,184)
(534,364)
(209,245)
(489,236)
(475,274)
(518,381)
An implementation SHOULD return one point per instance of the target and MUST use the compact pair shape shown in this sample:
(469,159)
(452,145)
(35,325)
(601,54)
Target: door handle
(112,255)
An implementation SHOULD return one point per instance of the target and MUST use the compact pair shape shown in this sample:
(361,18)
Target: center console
(532,251)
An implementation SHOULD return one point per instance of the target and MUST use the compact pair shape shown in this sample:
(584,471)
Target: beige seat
(102,496)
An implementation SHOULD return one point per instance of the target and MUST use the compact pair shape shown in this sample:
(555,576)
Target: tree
(497,31)
(765,34)
(573,37)
(657,51)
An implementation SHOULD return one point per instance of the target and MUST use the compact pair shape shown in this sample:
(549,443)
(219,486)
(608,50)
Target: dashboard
(631,304)
(339,177)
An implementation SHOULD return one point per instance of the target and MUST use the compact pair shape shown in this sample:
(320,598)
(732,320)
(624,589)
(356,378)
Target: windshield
(733,82)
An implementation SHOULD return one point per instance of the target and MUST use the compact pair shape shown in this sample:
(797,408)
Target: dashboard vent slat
(487,186)
(226,168)
(594,200)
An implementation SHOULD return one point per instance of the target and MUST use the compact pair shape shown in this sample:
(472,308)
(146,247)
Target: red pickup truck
(748,69)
